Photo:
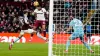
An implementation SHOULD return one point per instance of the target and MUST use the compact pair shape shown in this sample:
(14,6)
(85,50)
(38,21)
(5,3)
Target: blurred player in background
(26,28)
(88,32)
(40,15)
(68,3)
(78,33)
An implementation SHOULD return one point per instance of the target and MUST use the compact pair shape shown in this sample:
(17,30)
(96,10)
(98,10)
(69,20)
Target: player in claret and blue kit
(78,28)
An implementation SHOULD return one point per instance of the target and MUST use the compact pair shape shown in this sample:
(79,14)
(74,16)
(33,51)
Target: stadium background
(11,12)
(86,11)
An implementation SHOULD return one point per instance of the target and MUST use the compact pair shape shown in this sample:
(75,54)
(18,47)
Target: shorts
(39,23)
(77,35)
(26,31)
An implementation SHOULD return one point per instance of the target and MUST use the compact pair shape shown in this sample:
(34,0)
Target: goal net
(61,14)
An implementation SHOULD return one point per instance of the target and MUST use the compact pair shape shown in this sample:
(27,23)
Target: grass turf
(30,49)
(76,50)
(27,49)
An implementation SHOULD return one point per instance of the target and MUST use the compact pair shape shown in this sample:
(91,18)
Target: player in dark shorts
(88,32)
(26,28)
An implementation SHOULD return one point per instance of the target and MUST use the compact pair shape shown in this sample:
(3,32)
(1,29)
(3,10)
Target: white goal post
(50,28)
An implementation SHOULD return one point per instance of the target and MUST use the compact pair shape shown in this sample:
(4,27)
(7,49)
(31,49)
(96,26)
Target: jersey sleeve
(26,20)
(71,23)
(44,10)
(35,10)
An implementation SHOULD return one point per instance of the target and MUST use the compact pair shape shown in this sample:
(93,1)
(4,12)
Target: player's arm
(21,20)
(35,14)
(26,20)
(69,28)
(85,22)
(45,12)
(46,15)
(25,17)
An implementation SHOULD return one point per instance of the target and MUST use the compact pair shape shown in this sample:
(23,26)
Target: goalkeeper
(78,33)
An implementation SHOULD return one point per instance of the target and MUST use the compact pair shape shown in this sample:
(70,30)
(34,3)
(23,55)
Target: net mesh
(85,10)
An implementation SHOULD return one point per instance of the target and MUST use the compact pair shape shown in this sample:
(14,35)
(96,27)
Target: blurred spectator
(98,27)
(88,31)
(12,12)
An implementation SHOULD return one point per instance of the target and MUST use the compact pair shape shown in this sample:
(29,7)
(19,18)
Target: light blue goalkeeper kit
(78,28)
(77,25)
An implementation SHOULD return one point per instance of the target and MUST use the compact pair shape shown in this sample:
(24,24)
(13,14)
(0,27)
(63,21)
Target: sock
(44,32)
(85,39)
(87,46)
(89,39)
(40,36)
(16,40)
(31,36)
(67,44)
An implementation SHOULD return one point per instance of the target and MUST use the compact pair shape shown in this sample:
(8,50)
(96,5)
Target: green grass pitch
(76,50)
(27,49)
(30,49)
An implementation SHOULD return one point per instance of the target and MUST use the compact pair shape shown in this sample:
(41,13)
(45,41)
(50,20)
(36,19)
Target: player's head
(39,7)
(25,12)
(71,17)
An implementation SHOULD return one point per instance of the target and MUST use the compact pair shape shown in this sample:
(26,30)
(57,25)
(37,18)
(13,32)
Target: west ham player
(40,14)
(78,33)
(26,28)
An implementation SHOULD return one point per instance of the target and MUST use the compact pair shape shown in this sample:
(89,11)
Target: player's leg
(85,44)
(89,37)
(72,37)
(36,24)
(43,28)
(40,36)
(31,37)
(67,44)
(20,36)
(31,31)
(38,32)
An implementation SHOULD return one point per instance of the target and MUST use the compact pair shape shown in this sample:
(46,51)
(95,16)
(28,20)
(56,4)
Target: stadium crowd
(12,12)
(77,8)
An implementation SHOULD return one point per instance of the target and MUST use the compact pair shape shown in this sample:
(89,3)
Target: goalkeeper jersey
(77,25)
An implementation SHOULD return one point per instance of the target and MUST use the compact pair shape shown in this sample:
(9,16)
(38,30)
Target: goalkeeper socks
(87,46)
(67,44)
